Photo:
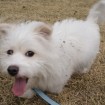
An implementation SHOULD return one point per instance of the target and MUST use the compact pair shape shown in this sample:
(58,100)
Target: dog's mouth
(19,86)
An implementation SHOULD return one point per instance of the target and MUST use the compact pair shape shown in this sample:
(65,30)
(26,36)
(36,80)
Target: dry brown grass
(87,89)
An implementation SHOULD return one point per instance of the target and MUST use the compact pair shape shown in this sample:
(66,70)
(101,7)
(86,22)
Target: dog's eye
(10,52)
(29,53)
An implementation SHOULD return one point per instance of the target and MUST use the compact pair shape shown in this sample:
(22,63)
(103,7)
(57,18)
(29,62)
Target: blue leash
(44,97)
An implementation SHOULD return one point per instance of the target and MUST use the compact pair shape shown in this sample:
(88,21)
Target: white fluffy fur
(71,47)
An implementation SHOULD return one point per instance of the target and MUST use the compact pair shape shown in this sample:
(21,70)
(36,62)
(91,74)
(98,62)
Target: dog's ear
(44,30)
(4,28)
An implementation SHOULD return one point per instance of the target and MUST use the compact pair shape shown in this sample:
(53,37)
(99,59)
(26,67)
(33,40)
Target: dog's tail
(97,12)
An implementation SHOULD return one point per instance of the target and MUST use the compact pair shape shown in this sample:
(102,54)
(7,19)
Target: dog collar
(46,98)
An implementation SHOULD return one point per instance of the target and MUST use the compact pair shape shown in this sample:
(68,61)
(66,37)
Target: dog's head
(24,52)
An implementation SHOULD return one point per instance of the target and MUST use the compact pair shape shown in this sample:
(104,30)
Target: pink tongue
(19,86)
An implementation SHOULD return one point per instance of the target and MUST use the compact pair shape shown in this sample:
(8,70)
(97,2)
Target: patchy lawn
(86,89)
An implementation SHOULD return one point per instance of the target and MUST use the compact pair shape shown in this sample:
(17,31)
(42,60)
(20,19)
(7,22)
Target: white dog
(45,57)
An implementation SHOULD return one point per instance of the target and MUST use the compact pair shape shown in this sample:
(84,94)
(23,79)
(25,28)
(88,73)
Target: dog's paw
(28,94)
(56,90)
(86,70)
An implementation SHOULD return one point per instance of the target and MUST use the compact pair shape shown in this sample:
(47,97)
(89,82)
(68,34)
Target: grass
(86,89)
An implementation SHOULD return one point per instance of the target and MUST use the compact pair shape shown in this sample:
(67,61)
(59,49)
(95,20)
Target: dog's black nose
(13,70)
